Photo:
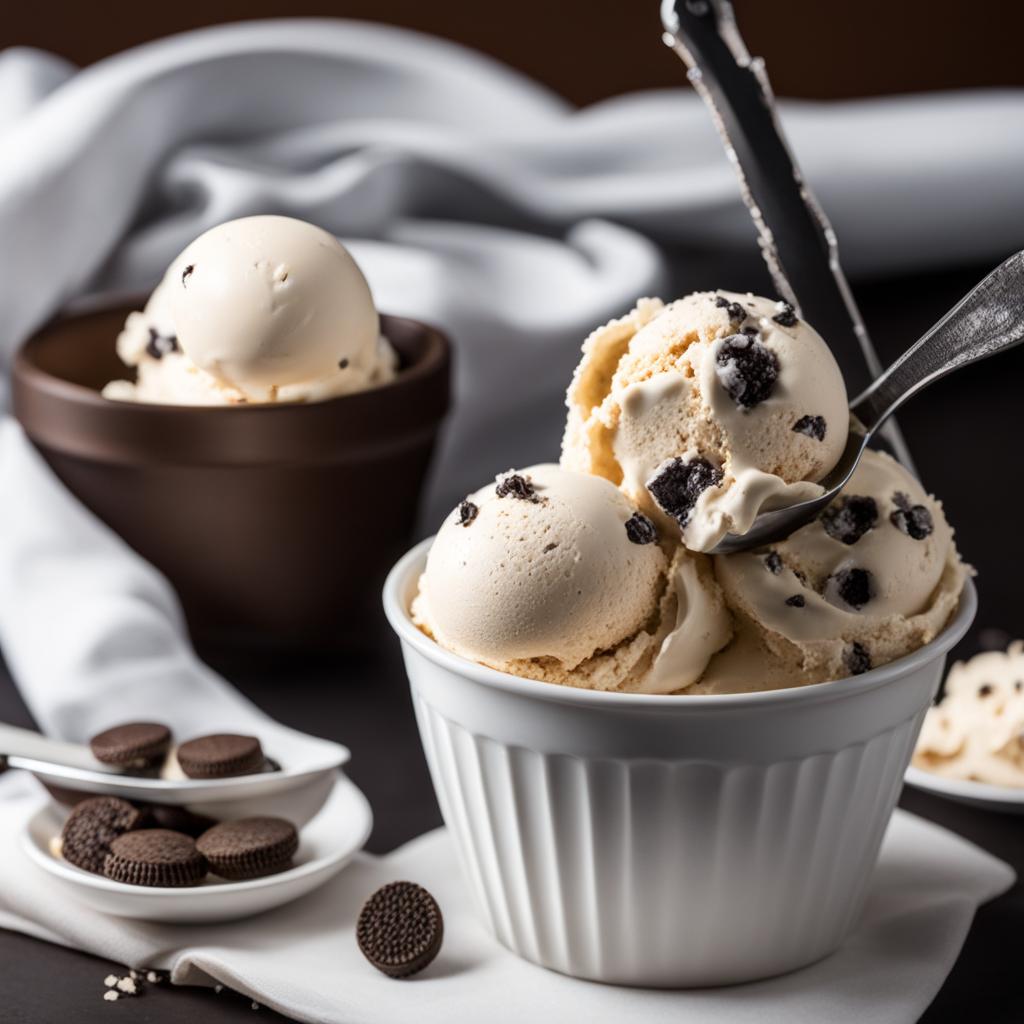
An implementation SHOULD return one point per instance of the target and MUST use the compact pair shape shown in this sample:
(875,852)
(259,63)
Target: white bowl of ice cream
(662,768)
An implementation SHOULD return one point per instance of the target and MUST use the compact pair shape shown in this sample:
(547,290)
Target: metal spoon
(297,791)
(988,320)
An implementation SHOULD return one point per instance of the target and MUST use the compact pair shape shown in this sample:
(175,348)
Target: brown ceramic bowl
(272,522)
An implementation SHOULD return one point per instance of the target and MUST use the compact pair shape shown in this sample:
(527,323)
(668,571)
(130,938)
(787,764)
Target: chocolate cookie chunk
(852,587)
(733,310)
(514,485)
(132,745)
(249,847)
(678,483)
(92,826)
(747,369)
(221,756)
(786,315)
(467,513)
(847,519)
(155,857)
(811,426)
(857,659)
(913,520)
(400,929)
(640,530)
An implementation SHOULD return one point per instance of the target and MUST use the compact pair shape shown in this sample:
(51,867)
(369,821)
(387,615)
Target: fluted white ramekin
(665,840)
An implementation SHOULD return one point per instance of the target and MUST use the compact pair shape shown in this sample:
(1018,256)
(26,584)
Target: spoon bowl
(296,791)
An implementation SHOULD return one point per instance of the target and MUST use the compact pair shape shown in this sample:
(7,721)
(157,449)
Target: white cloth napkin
(303,959)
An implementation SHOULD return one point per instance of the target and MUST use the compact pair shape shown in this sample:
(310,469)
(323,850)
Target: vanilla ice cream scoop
(707,411)
(977,731)
(875,577)
(554,575)
(262,309)
(264,302)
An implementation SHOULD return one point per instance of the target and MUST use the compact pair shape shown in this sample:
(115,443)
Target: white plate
(326,845)
(296,792)
(1006,799)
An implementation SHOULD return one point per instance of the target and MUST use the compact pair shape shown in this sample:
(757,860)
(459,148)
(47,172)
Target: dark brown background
(590,49)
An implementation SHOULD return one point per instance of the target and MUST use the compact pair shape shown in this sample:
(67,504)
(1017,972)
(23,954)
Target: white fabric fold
(93,634)
(303,960)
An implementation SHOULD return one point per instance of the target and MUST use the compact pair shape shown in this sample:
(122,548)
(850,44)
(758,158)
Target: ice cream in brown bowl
(257,430)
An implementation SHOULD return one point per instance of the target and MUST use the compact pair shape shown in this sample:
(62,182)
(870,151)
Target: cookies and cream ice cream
(555,575)
(685,421)
(707,411)
(261,309)
(876,576)
(976,732)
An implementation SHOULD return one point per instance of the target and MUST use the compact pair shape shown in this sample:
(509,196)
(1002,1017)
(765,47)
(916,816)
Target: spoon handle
(24,743)
(988,320)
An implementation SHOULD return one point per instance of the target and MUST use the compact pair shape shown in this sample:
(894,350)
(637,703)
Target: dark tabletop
(965,438)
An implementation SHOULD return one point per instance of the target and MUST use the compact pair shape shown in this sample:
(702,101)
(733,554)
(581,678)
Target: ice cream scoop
(876,576)
(555,575)
(990,319)
(707,411)
(977,731)
(261,309)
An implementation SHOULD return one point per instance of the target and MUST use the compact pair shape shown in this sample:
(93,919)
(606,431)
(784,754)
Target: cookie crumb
(811,426)
(786,315)
(848,518)
(853,587)
(856,659)
(640,529)
(187,273)
(515,485)
(913,520)
(467,513)
(796,601)
(747,369)
(773,563)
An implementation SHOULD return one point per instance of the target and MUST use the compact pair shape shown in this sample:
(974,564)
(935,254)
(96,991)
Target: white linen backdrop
(473,198)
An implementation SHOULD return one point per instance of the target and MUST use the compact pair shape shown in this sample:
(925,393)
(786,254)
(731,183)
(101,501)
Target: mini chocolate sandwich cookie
(249,847)
(155,857)
(137,745)
(400,929)
(221,756)
(92,826)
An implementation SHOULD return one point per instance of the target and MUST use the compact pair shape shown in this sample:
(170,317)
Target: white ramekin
(664,840)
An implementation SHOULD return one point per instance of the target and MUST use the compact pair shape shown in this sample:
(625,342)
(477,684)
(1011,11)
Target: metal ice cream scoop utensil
(988,320)
(797,241)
